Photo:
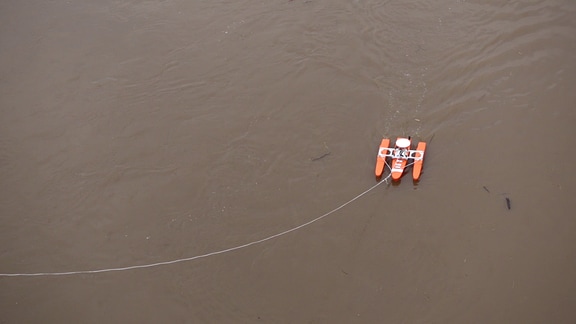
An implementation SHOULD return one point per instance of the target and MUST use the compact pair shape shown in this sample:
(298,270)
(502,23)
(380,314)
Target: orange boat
(400,154)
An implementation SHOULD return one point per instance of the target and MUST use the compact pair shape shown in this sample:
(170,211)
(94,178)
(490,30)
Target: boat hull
(381,158)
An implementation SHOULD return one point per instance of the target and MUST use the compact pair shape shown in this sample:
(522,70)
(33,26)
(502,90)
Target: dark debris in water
(508,201)
(320,157)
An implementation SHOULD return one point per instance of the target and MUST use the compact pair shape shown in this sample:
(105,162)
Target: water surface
(134,132)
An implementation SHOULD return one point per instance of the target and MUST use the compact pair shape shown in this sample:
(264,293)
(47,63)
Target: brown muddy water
(136,132)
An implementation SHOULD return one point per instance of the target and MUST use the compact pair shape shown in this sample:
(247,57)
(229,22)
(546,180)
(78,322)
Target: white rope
(157,264)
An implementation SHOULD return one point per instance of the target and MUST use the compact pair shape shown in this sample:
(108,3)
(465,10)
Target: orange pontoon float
(400,154)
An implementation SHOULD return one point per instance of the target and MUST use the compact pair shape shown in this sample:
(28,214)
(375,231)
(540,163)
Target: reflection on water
(139,132)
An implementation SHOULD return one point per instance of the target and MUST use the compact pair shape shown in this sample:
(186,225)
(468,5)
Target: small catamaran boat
(400,154)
